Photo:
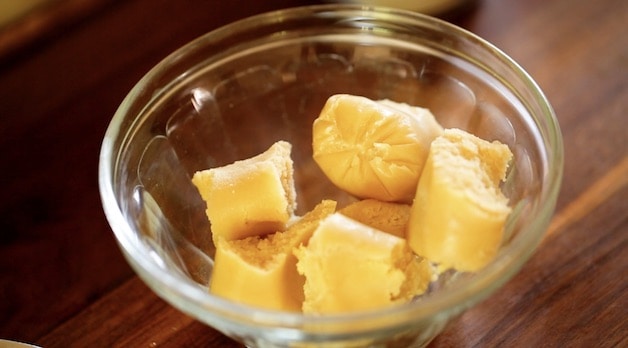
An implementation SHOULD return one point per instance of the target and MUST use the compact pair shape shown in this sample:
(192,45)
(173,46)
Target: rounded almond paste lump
(250,197)
(349,266)
(458,215)
(373,149)
(262,271)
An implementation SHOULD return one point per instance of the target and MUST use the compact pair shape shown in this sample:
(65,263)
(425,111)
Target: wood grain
(612,182)
(64,282)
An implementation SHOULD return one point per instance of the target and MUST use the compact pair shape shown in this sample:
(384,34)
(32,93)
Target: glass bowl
(431,7)
(231,93)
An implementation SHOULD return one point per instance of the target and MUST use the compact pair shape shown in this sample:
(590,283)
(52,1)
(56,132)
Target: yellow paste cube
(385,216)
(250,197)
(349,266)
(458,215)
(261,271)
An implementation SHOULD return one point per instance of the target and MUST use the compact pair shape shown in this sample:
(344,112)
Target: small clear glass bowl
(231,93)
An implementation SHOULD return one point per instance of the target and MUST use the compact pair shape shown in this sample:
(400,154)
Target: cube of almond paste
(250,197)
(458,215)
(261,271)
(349,266)
(385,216)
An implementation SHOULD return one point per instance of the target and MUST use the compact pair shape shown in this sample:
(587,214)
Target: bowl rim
(189,298)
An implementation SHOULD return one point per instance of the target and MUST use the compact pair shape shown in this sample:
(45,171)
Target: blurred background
(65,66)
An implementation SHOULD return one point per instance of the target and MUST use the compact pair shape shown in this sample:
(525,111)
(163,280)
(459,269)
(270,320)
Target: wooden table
(64,283)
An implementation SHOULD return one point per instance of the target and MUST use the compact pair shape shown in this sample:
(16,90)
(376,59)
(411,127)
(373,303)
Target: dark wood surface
(64,283)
